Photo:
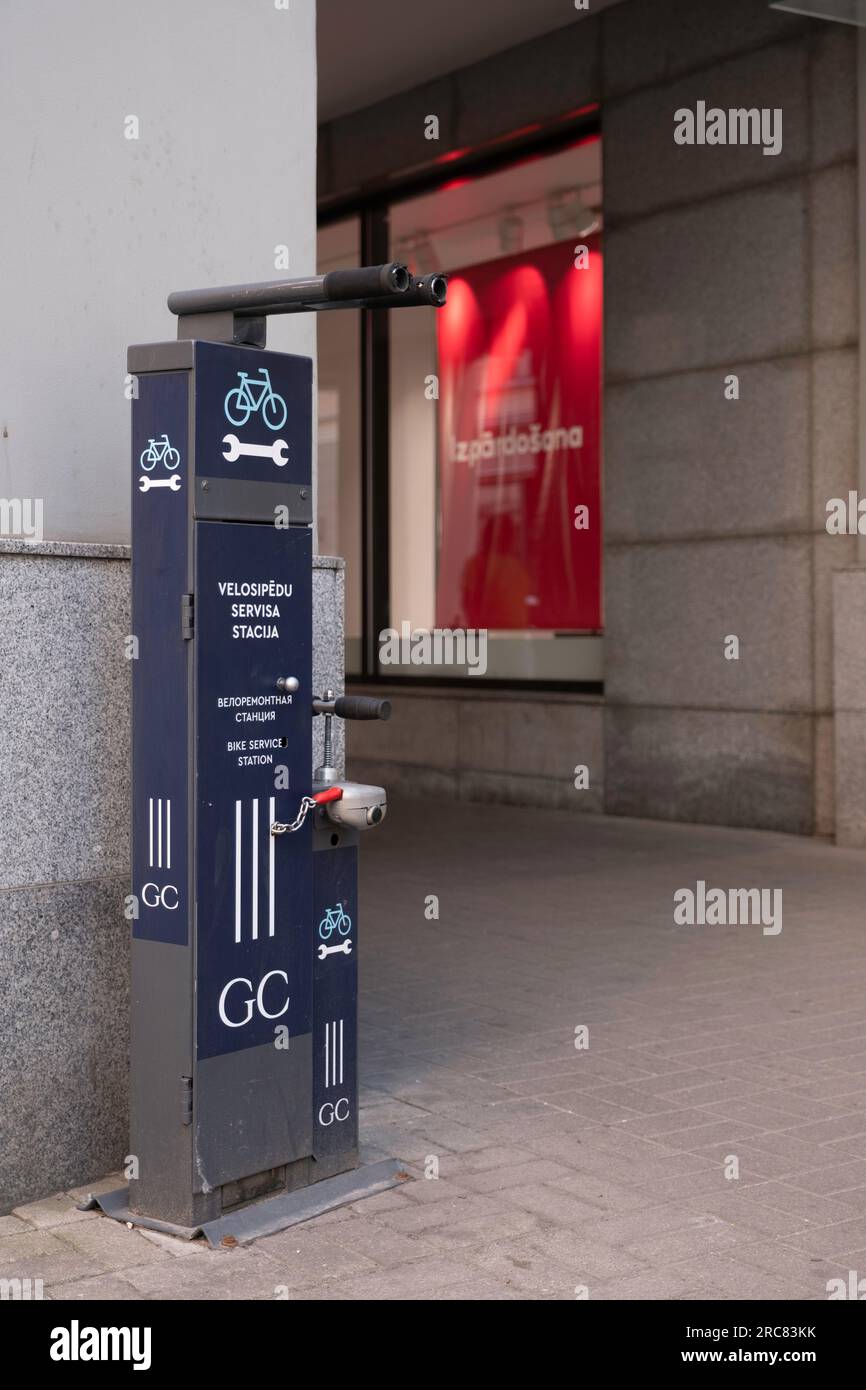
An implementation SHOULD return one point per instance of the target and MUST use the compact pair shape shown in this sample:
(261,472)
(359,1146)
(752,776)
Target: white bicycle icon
(159,451)
(254,394)
(335,919)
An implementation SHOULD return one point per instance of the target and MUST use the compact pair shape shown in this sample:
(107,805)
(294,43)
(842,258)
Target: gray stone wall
(719,262)
(64,854)
(329,595)
(518,749)
(849,671)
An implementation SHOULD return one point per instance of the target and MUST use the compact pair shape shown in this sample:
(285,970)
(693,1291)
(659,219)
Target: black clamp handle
(361,707)
(354,707)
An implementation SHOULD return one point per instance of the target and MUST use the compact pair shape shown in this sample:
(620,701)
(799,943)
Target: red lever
(329,794)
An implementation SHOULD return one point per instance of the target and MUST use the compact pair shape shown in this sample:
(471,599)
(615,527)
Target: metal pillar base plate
(267,1217)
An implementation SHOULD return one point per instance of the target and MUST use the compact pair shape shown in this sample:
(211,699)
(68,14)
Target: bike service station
(244,1112)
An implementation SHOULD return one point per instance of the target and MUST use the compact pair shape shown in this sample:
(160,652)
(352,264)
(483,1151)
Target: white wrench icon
(344,946)
(146,483)
(278,451)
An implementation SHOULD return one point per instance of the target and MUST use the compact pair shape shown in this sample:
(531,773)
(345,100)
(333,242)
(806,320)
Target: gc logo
(332,1111)
(154,896)
(249,1003)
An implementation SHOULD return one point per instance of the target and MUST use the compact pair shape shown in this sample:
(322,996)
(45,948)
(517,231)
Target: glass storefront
(494,421)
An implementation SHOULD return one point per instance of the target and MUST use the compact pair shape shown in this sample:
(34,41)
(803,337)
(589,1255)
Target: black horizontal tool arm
(282,296)
(237,313)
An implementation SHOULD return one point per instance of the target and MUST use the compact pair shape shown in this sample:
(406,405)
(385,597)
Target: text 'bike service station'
(244,860)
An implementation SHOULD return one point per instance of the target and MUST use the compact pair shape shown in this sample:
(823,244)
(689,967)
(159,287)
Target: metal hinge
(186,1100)
(187,616)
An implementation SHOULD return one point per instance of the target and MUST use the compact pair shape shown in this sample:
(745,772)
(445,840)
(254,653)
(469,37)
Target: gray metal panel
(159,357)
(161,1004)
(224,499)
(161,1046)
(258,1105)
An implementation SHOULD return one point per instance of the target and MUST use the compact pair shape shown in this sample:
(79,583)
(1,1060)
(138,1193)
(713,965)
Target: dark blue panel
(253,891)
(159,675)
(335,1025)
(263,399)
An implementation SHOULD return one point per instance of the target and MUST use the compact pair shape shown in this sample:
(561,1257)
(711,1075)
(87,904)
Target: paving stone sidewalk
(562,1169)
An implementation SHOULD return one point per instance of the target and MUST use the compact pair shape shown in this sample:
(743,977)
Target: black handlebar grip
(362,707)
(367,281)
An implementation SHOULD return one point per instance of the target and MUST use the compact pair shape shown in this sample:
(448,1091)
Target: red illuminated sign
(520,498)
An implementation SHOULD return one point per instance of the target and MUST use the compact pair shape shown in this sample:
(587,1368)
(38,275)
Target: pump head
(360,807)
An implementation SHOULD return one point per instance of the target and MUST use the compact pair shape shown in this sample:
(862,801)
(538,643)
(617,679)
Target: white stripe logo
(254,874)
(334,1054)
(158,833)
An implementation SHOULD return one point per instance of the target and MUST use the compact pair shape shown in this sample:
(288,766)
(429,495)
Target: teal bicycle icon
(335,919)
(159,451)
(254,394)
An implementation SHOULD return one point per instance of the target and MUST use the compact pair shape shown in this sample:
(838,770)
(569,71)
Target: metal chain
(289,827)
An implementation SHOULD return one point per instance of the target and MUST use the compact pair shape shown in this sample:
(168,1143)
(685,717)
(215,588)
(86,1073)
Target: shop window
(495,493)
